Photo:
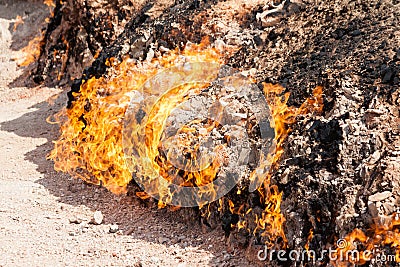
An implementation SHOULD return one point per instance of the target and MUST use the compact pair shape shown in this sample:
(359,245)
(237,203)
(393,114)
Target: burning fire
(361,247)
(18,21)
(151,153)
(49,3)
(271,221)
(91,143)
(31,51)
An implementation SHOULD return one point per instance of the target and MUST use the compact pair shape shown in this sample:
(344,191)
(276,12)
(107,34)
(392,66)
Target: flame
(90,145)
(18,21)
(198,170)
(49,3)
(368,244)
(31,51)
(271,221)
(309,239)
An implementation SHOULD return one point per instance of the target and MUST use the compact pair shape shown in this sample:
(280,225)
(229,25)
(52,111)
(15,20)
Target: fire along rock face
(331,164)
(199,123)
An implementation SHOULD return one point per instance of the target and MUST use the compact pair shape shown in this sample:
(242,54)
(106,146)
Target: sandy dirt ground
(45,217)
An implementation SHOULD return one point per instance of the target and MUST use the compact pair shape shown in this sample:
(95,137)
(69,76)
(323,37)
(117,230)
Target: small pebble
(97,217)
(113,228)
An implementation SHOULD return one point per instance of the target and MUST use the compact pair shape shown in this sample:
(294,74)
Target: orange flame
(90,145)
(18,21)
(31,51)
(309,239)
(272,220)
(361,247)
(49,3)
